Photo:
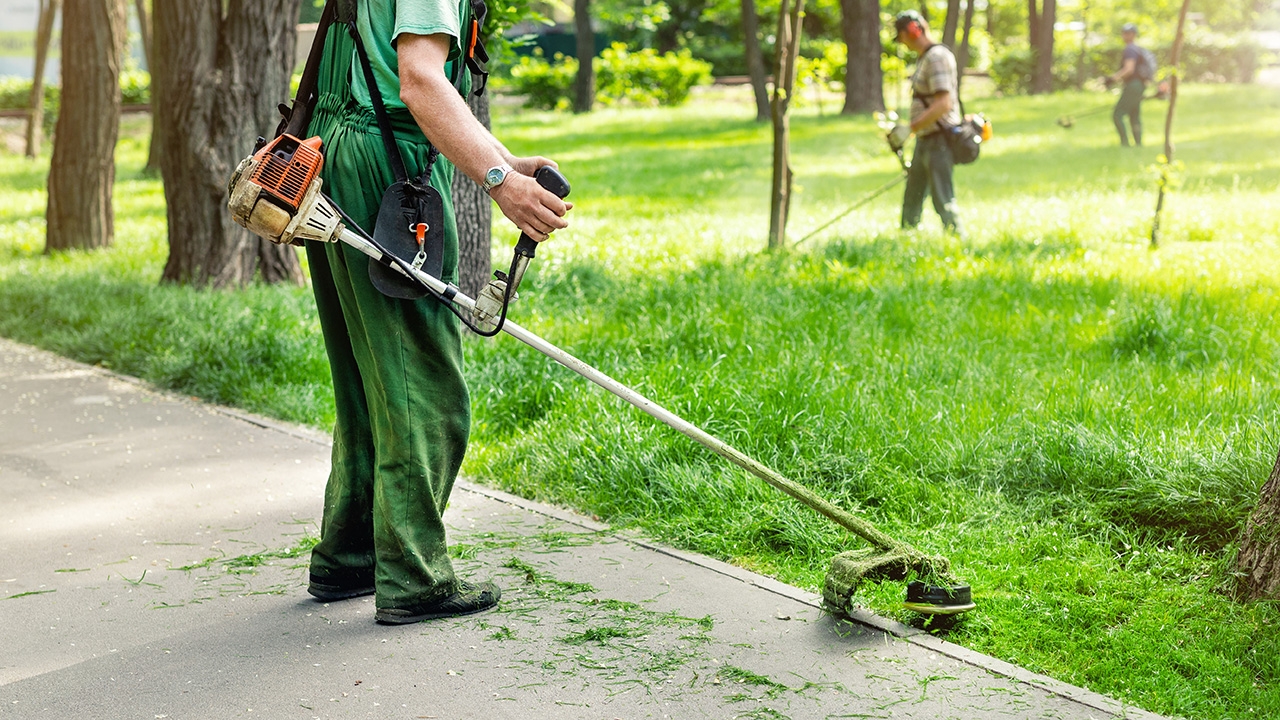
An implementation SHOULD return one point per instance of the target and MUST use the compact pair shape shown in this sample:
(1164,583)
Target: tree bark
(1042,48)
(584,86)
(951,24)
(1258,563)
(962,56)
(863,78)
(474,210)
(1033,24)
(222,68)
(784,77)
(44,33)
(144,25)
(755,58)
(83,168)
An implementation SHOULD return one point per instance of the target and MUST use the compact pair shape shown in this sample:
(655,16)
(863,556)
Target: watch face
(494,176)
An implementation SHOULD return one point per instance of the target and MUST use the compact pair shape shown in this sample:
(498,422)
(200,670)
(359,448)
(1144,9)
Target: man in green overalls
(403,413)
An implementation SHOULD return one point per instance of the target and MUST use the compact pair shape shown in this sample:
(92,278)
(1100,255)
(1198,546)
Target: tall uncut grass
(1080,423)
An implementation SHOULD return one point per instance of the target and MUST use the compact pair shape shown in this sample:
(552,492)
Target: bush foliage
(641,77)
(1206,57)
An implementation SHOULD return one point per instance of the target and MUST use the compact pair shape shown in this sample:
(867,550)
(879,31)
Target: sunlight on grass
(1080,423)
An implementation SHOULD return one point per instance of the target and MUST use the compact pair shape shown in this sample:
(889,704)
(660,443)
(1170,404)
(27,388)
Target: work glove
(898,136)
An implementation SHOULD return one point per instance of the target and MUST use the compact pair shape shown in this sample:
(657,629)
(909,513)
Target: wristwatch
(494,176)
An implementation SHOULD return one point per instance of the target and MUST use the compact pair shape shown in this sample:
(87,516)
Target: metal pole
(851,522)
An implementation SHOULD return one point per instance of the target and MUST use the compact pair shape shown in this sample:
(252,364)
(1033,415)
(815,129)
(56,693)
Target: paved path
(152,565)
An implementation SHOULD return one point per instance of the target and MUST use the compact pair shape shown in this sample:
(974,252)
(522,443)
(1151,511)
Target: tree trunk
(1166,171)
(144,24)
(1033,24)
(1258,563)
(863,78)
(1042,50)
(962,56)
(584,86)
(44,33)
(475,219)
(83,168)
(755,58)
(784,78)
(951,24)
(222,67)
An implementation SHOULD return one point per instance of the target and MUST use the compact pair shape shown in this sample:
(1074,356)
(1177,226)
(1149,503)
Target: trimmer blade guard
(938,599)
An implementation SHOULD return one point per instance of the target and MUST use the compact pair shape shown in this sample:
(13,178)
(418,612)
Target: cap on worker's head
(906,19)
(1129,28)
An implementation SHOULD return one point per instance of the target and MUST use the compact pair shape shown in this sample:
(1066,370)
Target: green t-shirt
(381,22)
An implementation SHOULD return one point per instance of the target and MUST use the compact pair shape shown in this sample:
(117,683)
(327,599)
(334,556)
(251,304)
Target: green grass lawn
(1080,423)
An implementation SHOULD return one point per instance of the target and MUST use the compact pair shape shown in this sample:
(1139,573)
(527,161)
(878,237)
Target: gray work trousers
(931,166)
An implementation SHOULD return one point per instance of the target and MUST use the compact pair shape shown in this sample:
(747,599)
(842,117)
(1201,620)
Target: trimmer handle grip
(551,179)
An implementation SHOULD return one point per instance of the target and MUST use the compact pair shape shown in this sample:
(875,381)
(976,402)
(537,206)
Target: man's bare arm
(448,123)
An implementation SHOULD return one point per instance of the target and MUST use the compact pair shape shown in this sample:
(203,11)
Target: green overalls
(403,412)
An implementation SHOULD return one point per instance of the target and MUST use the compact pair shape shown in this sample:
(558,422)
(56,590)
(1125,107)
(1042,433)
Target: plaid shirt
(935,71)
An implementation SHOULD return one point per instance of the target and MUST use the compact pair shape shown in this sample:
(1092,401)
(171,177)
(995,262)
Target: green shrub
(641,78)
(647,78)
(15,94)
(545,85)
(1012,66)
(1206,57)
(135,87)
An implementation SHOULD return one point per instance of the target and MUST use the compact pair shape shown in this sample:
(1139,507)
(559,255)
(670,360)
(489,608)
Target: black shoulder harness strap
(473,47)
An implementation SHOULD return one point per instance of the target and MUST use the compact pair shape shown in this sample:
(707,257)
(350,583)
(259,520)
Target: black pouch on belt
(410,222)
(410,226)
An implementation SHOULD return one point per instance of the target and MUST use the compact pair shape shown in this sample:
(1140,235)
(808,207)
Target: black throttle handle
(555,183)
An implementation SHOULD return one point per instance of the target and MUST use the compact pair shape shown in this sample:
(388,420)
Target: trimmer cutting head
(849,569)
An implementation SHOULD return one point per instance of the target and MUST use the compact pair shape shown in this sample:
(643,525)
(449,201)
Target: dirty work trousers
(931,168)
(1130,105)
(403,412)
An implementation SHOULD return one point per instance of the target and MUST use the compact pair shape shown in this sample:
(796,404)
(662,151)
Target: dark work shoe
(470,598)
(329,592)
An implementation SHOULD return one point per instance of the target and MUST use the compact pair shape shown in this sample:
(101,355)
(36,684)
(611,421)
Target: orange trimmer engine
(275,193)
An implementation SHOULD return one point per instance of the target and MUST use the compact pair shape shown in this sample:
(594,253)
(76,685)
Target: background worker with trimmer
(1137,68)
(934,106)
(403,412)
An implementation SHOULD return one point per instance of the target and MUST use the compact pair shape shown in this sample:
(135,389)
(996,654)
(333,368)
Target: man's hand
(898,136)
(529,165)
(533,209)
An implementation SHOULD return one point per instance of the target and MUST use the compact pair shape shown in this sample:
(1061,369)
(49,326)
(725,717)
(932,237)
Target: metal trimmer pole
(847,520)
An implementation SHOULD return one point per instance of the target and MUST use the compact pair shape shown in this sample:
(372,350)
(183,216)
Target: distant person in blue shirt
(1137,68)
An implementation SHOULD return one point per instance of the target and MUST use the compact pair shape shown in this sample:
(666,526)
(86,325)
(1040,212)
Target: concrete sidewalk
(152,565)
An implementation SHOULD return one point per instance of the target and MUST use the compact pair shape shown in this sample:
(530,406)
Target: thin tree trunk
(44,33)
(83,170)
(584,95)
(863,77)
(784,77)
(951,24)
(962,56)
(755,58)
(1166,166)
(144,25)
(1033,24)
(221,74)
(474,210)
